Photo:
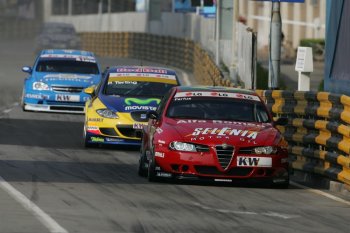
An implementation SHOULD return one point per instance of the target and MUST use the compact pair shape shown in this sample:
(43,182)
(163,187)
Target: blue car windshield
(65,66)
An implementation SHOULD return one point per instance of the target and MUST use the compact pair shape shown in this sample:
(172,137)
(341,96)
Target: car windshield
(227,109)
(137,88)
(58,30)
(58,66)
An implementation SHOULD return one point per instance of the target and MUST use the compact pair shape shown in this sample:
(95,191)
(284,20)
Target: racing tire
(23,105)
(151,174)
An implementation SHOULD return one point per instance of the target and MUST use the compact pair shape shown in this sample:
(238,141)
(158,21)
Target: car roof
(141,69)
(213,88)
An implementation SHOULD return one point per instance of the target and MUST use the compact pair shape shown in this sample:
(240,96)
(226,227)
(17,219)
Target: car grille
(224,154)
(246,150)
(139,116)
(211,170)
(67,89)
(108,131)
(128,131)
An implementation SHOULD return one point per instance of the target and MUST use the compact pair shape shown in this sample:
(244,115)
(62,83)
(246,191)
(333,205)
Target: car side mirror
(27,69)
(90,90)
(152,115)
(281,121)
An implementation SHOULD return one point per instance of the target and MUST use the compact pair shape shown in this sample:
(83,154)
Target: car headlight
(40,86)
(182,146)
(107,113)
(266,150)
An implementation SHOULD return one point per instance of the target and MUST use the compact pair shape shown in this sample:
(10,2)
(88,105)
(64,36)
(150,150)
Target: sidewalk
(290,76)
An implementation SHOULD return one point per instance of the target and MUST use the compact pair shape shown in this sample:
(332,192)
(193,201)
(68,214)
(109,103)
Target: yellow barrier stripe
(299,95)
(344,130)
(322,154)
(325,104)
(321,125)
(323,137)
(344,145)
(297,137)
(344,161)
(344,176)
(298,150)
(298,122)
(300,107)
(277,94)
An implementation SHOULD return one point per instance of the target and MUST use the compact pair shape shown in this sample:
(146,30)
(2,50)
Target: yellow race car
(118,107)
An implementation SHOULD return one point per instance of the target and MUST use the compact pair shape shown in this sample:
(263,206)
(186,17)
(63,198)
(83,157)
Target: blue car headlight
(40,86)
(182,146)
(107,113)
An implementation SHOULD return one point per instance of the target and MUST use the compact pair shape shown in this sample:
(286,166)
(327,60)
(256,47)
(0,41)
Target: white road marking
(226,211)
(6,111)
(319,192)
(44,218)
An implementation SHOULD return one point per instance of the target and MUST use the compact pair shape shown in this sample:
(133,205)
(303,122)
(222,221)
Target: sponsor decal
(221,122)
(222,180)
(97,139)
(254,161)
(164,174)
(146,108)
(138,125)
(67,98)
(159,130)
(97,119)
(161,141)
(159,154)
(182,99)
(143,116)
(92,128)
(37,96)
(130,101)
(123,82)
(225,132)
(70,56)
(114,140)
(67,77)
(142,70)
(216,94)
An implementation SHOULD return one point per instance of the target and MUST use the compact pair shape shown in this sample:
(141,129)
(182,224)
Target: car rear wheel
(142,165)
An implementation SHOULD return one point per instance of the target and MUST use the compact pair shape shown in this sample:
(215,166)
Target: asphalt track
(50,183)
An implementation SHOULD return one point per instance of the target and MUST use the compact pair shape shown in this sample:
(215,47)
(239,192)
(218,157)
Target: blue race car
(57,81)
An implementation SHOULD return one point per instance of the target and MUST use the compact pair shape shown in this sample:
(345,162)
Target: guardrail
(172,51)
(317,132)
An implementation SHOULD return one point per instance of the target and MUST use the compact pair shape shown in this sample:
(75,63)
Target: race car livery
(212,133)
(57,80)
(117,111)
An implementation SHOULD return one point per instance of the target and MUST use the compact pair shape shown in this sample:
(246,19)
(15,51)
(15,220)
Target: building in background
(299,20)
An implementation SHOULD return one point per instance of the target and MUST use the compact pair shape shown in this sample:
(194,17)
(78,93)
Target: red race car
(215,133)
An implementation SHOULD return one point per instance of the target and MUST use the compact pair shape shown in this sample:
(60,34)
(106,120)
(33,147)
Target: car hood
(214,132)
(129,104)
(82,80)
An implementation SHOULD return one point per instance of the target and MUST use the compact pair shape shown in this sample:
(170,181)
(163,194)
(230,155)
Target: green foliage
(311,42)
(321,86)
